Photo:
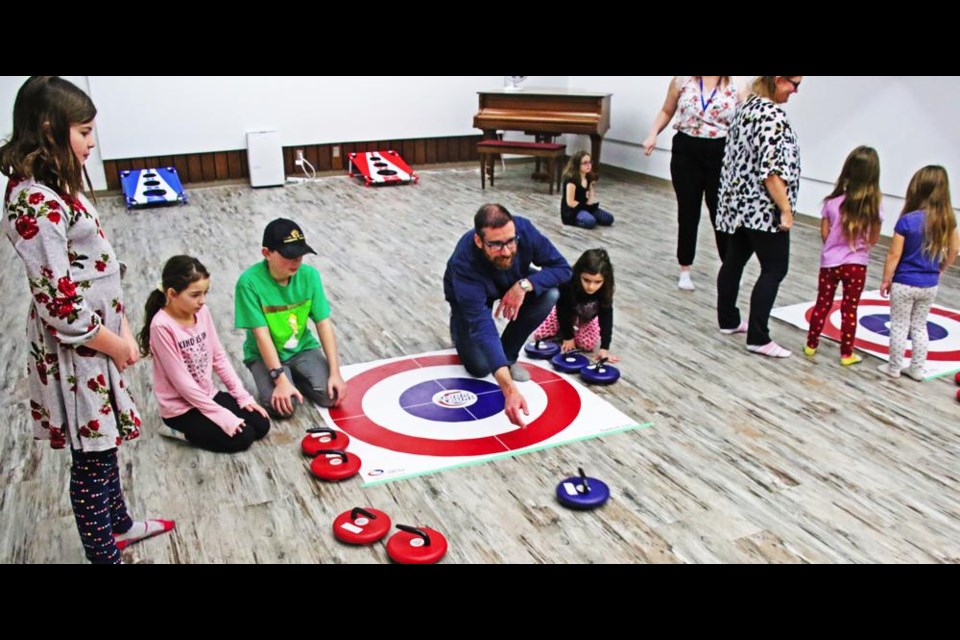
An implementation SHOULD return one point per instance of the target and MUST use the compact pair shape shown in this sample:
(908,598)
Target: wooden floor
(748,459)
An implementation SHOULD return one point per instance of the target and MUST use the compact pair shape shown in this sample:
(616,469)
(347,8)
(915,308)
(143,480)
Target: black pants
(695,170)
(773,252)
(202,432)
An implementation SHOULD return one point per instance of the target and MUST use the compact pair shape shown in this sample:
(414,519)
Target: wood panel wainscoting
(222,166)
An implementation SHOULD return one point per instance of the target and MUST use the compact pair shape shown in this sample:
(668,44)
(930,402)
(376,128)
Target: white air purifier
(265,159)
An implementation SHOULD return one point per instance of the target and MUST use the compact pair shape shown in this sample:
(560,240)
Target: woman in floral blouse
(758,192)
(704,107)
(79,340)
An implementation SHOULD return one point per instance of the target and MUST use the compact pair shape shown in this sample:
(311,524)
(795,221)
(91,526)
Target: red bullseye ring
(563,406)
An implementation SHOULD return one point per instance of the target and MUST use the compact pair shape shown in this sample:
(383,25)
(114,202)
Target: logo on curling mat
(455,399)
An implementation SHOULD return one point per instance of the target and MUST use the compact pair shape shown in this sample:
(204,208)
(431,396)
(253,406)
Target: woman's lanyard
(707,103)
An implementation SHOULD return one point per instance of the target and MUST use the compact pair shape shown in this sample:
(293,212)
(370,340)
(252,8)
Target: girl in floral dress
(79,340)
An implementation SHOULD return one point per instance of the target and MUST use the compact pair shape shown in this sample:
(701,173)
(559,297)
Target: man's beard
(503,263)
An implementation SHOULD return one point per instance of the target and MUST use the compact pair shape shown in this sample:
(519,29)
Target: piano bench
(553,153)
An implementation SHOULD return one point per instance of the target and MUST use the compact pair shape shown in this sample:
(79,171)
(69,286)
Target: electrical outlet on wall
(299,160)
(336,151)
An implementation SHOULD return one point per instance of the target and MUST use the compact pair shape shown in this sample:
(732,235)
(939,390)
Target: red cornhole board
(381,167)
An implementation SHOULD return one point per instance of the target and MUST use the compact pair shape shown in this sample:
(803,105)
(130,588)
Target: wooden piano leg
(483,171)
(491,134)
(538,174)
(596,142)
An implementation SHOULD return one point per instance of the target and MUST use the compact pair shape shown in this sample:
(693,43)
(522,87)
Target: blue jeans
(533,312)
(589,219)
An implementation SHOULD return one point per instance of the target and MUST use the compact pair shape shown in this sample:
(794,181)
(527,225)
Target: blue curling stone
(569,362)
(600,373)
(542,350)
(573,494)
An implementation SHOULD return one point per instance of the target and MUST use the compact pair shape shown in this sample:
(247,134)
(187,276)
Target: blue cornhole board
(152,187)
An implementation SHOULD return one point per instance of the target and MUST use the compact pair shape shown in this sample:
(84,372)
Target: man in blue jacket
(491,263)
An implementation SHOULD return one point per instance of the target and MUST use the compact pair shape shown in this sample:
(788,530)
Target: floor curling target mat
(415,415)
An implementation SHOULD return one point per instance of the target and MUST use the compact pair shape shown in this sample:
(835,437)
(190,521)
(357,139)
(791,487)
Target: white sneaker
(919,376)
(885,368)
(685,282)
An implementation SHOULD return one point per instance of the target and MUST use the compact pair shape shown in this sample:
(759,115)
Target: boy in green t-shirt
(275,301)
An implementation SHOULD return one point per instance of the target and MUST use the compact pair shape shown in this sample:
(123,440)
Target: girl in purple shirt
(925,242)
(850,226)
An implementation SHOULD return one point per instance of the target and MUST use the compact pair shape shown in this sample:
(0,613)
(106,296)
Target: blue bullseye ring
(879,323)
(563,403)
(452,400)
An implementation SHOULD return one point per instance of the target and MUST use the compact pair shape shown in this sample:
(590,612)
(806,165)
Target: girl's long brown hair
(859,183)
(39,147)
(929,191)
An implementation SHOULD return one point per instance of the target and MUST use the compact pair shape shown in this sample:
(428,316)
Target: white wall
(634,103)
(143,116)
(532,82)
(910,120)
(151,116)
(544,82)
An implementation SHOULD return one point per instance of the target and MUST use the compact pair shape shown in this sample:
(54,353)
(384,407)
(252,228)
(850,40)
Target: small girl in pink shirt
(849,228)
(180,334)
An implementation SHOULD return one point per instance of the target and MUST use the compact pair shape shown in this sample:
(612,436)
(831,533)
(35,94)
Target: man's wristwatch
(525,285)
(276,373)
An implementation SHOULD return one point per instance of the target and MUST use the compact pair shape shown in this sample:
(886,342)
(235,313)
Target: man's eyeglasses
(796,85)
(498,245)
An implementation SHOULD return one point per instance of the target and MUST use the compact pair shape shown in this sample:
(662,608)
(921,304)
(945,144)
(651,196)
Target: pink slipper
(741,328)
(151,527)
(771,349)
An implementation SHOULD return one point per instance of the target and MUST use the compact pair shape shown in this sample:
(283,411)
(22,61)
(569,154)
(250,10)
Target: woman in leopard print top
(758,192)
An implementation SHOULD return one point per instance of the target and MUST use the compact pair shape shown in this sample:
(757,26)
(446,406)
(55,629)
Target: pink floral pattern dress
(77,395)
(712,120)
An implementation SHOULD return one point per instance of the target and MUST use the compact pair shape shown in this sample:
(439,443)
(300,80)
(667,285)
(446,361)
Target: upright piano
(545,113)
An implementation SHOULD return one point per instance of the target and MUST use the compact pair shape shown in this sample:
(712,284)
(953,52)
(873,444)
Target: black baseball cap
(286,238)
